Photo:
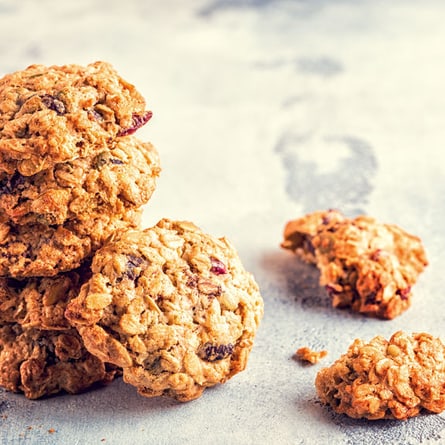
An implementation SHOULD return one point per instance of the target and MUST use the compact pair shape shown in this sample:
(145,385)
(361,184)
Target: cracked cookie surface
(51,114)
(365,265)
(112,181)
(42,250)
(386,379)
(172,306)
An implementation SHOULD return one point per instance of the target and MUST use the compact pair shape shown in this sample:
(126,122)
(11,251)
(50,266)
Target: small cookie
(172,306)
(58,113)
(383,379)
(111,181)
(40,250)
(40,363)
(365,265)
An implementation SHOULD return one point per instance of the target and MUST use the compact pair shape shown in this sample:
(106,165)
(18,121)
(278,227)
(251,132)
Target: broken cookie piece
(306,354)
(365,265)
(382,379)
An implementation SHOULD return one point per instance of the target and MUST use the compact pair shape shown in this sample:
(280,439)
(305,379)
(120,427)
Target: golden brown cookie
(383,379)
(365,265)
(40,353)
(112,181)
(40,302)
(58,113)
(298,233)
(39,362)
(41,250)
(172,306)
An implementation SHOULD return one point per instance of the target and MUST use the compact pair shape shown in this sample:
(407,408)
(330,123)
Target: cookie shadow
(424,427)
(290,278)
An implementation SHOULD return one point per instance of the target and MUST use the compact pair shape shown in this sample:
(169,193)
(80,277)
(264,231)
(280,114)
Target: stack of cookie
(72,175)
(85,293)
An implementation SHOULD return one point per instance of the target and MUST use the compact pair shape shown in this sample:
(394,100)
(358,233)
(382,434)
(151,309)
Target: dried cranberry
(331,290)
(218,267)
(376,255)
(213,353)
(138,120)
(53,104)
(404,293)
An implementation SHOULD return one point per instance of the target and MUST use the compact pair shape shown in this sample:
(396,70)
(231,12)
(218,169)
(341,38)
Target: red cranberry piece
(218,267)
(138,121)
(404,293)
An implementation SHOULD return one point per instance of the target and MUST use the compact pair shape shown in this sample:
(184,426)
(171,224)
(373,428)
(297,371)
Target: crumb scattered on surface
(306,354)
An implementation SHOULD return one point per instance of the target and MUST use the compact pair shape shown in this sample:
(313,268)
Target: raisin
(96,115)
(53,104)
(218,267)
(138,121)
(12,184)
(371,298)
(212,353)
(308,246)
(133,262)
(103,159)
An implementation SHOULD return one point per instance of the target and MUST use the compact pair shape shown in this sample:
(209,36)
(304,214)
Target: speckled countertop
(263,111)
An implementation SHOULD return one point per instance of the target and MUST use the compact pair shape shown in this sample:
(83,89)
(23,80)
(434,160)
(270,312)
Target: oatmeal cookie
(172,306)
(58,113)
(365,265)
(112,181)
(383,379)
(42,250)
(298,233)
(40,362)
(40,302)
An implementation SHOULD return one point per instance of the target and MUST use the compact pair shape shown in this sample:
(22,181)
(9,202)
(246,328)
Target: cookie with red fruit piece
(170,305)
(52,114)
(364,264)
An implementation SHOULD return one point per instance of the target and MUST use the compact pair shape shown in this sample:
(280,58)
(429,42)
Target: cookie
(58,113)
(38,362)
(172,306)
(112,181)
(365,265)
(40,302)
(382,379)
(298,233)
(42,250)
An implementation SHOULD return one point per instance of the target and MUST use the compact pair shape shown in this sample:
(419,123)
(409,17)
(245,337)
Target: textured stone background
(263,111)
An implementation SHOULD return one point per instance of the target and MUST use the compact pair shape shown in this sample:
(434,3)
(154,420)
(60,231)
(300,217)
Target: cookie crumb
(306,354)
(51,431)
